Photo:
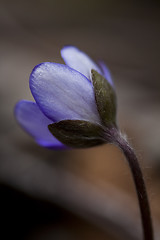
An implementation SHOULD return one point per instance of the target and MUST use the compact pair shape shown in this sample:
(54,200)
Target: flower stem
(118,139)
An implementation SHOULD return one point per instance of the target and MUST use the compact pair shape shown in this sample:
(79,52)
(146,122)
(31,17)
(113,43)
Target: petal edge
(33,121)
(106,72)
(79,61)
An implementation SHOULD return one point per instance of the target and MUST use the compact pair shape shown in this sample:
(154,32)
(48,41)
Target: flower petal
(106,72)
(30,117)
(63,93)
(79,61)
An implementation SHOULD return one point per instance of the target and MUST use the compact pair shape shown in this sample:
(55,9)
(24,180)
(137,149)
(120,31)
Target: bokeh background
(79,194)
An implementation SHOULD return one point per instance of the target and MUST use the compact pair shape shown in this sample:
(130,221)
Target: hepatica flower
(75,107)
(74,102)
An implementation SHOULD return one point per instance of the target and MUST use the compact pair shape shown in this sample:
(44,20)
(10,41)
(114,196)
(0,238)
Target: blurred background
(79,194)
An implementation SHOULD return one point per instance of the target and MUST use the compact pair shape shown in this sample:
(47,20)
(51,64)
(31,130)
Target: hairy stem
(117,139)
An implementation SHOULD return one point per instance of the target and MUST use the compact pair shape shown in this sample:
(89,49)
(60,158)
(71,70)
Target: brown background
(49,187)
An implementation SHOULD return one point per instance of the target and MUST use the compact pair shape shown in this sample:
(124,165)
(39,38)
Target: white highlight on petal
(79,61)
(63,93)
(32,120)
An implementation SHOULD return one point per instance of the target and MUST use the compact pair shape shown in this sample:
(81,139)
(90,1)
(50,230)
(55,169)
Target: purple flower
(61,92)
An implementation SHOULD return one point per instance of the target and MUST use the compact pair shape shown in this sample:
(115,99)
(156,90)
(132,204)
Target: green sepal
(105,99)
(77,133)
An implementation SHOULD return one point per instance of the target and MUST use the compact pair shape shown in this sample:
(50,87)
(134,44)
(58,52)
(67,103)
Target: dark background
(49,195)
